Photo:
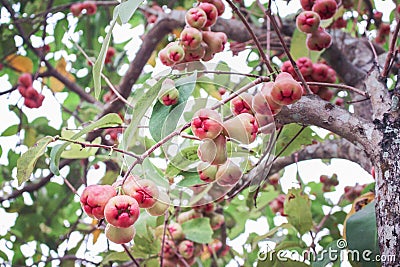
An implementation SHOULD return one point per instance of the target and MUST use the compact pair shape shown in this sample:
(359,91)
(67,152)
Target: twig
(276,157)
(111,148)
(264,57)
(340,86)
(108,82)
(8,91)
(130,255)
(391,53)
(287,52)
(163,238)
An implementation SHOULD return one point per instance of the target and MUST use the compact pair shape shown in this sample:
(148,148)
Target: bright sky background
(348,173)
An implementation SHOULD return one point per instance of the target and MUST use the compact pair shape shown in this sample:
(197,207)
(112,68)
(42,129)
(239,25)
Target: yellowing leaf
(56,85)
(96,233)
(152,59)
(20,63)
(297,207)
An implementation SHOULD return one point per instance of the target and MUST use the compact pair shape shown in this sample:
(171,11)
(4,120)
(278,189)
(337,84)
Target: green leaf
(361,233)
(127,9)
(99,64)
(27,161)
(77,152)
(185,158)
(323,259)
(198,230)
(164,119)
(289,131)
(139,109)
(10,131)
(157,119)
(222,79)
(299,48)
(115,256)
(190,179)
(271,233)
(297,207)
(152,173)
(106,121)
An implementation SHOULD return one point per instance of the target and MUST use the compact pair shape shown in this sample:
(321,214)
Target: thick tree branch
(312,110)
(337,148)
(330,149)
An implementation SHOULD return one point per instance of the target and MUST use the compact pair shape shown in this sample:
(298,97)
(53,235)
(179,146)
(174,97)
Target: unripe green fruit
(188,215)
(120,235)
(216,220)
(206,171)
(161,205)
(213,151)
(175,52)
(186,249)
(175,230)
(228,174)
(168,94)
(191,38)
(242,128)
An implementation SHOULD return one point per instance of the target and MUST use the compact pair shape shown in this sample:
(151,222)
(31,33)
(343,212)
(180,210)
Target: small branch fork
(285,48)
(264,57)
(392,53)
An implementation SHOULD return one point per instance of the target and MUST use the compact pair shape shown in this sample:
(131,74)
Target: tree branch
(337,148)
(312,110)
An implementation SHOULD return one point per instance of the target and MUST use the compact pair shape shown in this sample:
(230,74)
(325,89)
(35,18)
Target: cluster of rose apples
(328,182)
(353,192)
(313,72)
(33,99)
(197,41)
(309,21)
(251,114)
(120,205)
(176,244)
(77,8)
